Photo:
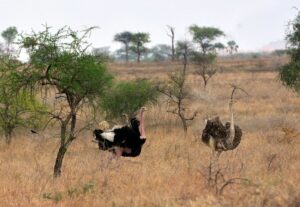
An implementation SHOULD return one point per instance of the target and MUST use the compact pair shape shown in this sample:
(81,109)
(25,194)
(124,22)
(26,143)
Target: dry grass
(172,170)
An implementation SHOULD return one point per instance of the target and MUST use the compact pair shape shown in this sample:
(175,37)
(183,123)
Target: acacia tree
(137,44)
(175,88)
(60,62)
(9,35)
(205,55)
(18,108)
(125,38)
(232,47)
(290,73)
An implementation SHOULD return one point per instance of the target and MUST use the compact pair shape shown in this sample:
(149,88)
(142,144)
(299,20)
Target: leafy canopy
(18,108)
(206,37)
(61,60)
(123,37)
(290,73)
(138,41)
(9,34)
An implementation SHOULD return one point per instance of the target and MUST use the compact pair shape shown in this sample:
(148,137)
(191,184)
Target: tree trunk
(203,75)
(173,49)
(204,82)
(59,160)
(62,150)
(172,36)
(138,55)
(126,52)
(184,125)
(64,144)
(8,137)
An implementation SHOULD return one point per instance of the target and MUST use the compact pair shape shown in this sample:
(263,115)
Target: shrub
(127,97)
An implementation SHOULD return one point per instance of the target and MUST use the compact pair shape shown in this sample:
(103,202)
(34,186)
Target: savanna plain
(173,170)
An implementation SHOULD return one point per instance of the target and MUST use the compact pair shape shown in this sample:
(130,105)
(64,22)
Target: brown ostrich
(221,137)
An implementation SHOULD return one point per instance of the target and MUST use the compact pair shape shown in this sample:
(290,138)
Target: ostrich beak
(144,108)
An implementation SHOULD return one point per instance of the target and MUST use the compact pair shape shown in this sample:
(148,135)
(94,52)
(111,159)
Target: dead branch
(231,181)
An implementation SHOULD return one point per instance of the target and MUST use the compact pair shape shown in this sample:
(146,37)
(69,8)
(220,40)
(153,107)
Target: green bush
(127,97)
(290,73)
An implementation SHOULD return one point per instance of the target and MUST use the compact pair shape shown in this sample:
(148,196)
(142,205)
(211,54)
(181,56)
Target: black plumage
(127,138)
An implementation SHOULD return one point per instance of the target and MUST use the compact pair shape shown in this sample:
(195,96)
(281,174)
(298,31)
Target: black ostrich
(219,137)
(126,140)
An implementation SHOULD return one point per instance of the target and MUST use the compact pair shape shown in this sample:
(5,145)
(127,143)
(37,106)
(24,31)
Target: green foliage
(231,47)
(128,97)
(56,197)
(290,73)
(293,38)
(9,34)
(200,58)
(159,52)
(175,86)
(88,187)
(138,42)
(1,49)
(123,37)
(183,48)
(140,38)
(71,193)
(206,37)
(102,54)
(60,61)
(279,52)
(19,108)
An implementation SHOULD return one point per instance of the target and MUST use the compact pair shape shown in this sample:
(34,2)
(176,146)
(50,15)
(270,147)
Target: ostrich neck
(232,129)
(142,129)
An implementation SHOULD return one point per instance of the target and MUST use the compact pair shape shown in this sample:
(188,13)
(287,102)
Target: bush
(290,73)
(127,97)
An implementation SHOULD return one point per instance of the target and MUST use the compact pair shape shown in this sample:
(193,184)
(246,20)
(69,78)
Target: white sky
(251,23)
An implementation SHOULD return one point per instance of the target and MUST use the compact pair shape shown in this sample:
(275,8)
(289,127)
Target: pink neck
(142,129)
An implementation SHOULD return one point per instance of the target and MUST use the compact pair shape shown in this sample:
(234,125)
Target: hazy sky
(251,23)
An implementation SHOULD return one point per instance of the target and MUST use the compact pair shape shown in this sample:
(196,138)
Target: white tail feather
(108,136)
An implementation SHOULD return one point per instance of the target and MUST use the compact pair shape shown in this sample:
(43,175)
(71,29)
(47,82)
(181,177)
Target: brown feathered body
(216,135)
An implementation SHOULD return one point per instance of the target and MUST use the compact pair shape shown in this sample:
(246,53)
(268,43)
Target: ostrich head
(143,109)
(103,125)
